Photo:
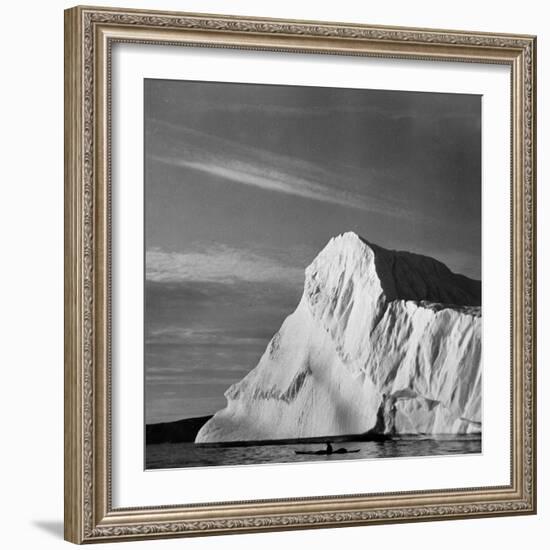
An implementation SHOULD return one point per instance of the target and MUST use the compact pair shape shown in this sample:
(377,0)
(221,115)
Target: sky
(245,184)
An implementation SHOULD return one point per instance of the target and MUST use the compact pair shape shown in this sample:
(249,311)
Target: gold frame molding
(89,36)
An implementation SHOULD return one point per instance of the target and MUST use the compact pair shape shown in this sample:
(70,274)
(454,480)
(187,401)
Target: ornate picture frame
(90,34)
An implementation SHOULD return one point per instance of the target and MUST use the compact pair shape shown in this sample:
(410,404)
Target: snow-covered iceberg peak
(381,341)
(342,288)
(396,274)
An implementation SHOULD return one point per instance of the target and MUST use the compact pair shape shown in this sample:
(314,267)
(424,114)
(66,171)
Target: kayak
(336,452)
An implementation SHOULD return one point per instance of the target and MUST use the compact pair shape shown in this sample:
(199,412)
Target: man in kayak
(329,447)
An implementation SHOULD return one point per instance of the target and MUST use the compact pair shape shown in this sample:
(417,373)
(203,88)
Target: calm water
(183,455)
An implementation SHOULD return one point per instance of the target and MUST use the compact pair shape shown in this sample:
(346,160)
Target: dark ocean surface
(185,455)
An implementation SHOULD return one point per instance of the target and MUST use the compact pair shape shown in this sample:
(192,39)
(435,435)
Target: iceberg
(381,342)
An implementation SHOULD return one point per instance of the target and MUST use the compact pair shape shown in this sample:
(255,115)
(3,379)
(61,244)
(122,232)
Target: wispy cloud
(273,180)
(245,165)
(218,264)
(211,336)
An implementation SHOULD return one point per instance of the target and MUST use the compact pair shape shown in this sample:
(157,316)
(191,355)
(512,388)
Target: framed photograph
(300,274)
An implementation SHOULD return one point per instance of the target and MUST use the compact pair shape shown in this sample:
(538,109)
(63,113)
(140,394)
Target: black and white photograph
(312,274)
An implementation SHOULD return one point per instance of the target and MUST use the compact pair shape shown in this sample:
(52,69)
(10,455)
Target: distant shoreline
(337,439)
(178,431)
(185,431)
